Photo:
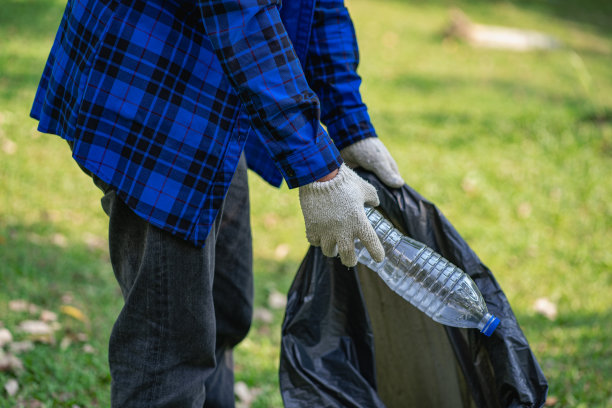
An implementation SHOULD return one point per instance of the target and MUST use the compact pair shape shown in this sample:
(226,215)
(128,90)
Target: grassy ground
(515,148)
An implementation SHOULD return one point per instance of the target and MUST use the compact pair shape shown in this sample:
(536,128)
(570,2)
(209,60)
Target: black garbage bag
(348,341)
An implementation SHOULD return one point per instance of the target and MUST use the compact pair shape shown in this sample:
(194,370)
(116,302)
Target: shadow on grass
(594,13)
(428,84)
(25,22)
(47,270)
(42,272)
(512,90)
(15,80)
(30,18)
(40,265)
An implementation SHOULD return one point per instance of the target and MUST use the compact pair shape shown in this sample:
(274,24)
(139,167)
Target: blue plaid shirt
(160,98)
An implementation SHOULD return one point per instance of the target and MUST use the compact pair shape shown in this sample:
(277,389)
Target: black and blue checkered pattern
(331,71)
(158,97)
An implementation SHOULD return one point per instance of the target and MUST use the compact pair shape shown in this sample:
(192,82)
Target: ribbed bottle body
(426,279)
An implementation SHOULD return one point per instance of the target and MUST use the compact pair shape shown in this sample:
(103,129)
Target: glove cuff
(326,187)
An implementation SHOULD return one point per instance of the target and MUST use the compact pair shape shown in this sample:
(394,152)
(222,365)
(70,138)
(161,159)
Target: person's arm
(331,70)
(256,54)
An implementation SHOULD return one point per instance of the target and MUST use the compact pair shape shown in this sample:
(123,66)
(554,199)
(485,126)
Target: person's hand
(334,216)
(372,155)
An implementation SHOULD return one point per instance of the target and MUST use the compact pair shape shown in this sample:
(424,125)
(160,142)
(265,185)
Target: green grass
(515,148)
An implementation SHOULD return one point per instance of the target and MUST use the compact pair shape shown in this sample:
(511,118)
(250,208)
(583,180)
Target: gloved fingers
(389,173)
(334,214)
(386,168)
(370,240)
(370,196)
(313,239)
(394,166)
(346,249)
(328,246)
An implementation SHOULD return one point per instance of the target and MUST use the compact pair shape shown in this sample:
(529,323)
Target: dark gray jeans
(185,307)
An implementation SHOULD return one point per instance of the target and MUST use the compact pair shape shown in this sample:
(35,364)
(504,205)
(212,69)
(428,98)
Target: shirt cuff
(312,163)
(351,127)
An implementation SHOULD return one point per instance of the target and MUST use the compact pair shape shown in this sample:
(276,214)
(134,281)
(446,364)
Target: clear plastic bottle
(426,279)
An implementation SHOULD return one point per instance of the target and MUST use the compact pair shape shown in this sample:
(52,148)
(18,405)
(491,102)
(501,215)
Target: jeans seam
(160,303)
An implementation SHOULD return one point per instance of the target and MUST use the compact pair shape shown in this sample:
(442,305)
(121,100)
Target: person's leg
(162,347)
(232,288)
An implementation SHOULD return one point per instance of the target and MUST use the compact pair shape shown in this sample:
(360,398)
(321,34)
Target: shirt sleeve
(256,54)
(331,71)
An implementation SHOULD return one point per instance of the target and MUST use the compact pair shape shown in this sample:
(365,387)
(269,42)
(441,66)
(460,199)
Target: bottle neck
(488,324)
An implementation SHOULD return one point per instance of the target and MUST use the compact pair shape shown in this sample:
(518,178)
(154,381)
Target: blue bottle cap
(490,327)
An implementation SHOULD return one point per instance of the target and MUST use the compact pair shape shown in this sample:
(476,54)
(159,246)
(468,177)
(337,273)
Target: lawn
(515,148)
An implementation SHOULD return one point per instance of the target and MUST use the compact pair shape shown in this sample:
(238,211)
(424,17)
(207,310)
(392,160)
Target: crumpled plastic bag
(348,341)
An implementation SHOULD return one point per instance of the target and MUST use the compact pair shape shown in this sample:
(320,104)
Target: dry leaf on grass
(62,396)
(270,220)
(60,240)
(551,401)
(21,346)
(70,338)
(9,362)
(48,316)
(35,327)
(277,300)
(503,38)
(281,251)
(18,305)
(67,298)
(263,315)
(33,309)
(21,305)
(246,396)
(74,313)
(5,336)
(11,387)
(88,348)
(94,242)
(38,330)
(546,308)
(8,146)
(31,403)
(65,343)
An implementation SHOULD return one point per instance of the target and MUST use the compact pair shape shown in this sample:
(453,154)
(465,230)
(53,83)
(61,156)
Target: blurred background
(500,112)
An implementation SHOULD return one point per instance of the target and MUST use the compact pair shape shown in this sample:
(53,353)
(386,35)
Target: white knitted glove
(334,216)
(372,155)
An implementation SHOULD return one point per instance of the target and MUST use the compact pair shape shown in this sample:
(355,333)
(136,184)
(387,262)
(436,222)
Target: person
(165,104)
